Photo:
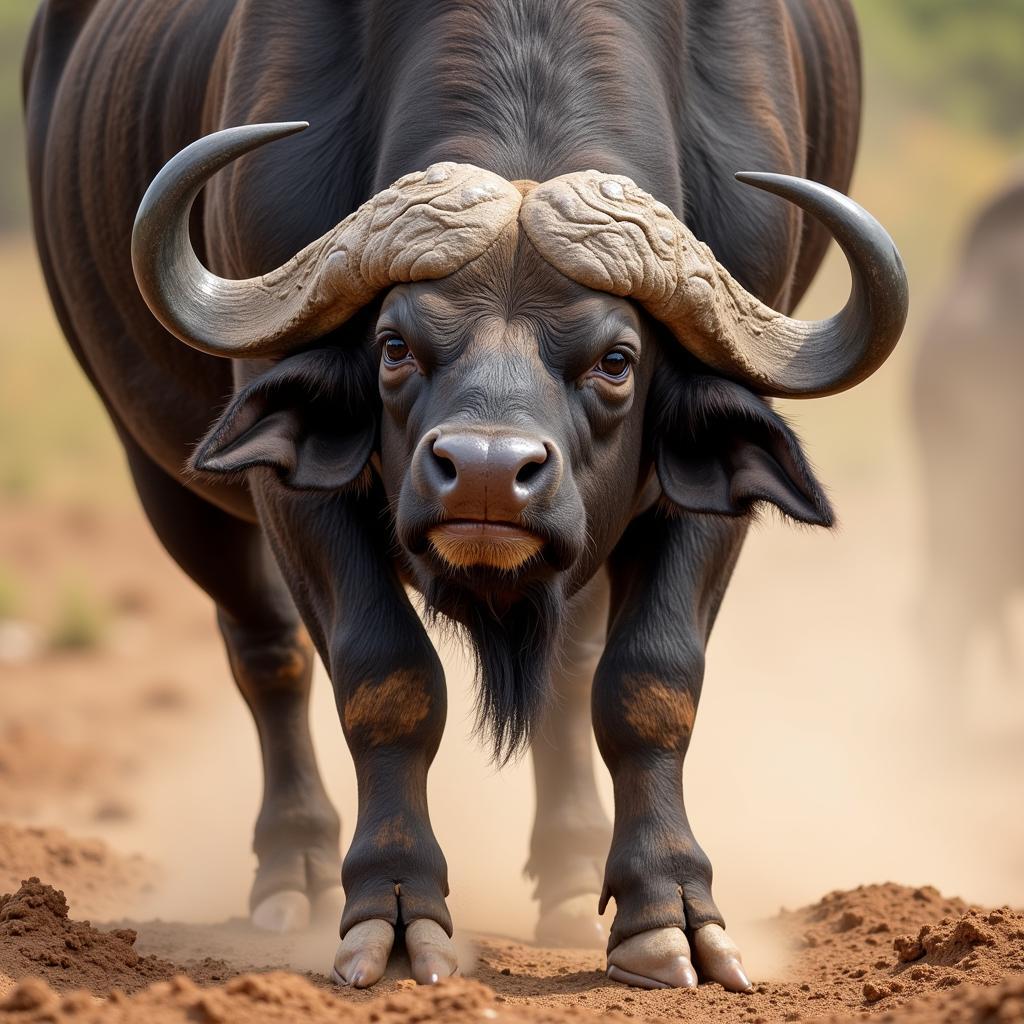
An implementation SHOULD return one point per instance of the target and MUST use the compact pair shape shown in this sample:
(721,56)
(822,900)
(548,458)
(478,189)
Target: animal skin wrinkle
(659,714)
(387,711)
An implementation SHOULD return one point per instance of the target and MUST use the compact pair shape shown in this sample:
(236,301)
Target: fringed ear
(304,418)
(720,449)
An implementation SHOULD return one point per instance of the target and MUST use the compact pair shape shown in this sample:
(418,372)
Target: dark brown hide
(676,94)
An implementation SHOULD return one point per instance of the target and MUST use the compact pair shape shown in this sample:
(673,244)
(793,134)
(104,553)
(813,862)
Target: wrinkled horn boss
(601,230)
(426,225)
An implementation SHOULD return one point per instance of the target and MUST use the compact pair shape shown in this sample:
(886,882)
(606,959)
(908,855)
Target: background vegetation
(959,59)
(15,18)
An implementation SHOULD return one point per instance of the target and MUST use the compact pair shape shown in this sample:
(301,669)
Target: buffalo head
(551,358)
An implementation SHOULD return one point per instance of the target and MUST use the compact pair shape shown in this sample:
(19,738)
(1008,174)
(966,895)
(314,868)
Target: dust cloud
(822,757)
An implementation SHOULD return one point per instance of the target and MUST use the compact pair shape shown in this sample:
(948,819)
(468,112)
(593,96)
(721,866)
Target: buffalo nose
(494,476)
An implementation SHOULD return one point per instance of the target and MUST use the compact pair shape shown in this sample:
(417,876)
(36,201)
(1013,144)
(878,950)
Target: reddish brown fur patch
(392,834)
(657,713)
(385,712)
(294,667)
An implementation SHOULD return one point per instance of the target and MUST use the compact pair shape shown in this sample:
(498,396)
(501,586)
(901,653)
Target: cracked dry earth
(885,951)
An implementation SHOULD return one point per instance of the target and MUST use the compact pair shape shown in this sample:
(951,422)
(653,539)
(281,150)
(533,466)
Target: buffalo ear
(722,450)
(305,418)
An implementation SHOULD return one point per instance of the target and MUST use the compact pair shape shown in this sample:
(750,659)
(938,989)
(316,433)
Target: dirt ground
(821,760)
(905,954)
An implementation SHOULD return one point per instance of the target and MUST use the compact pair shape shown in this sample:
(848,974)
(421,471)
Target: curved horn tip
(267,131)
(286,127)
(879,303)
(838,212)
(757,177)
(790,186)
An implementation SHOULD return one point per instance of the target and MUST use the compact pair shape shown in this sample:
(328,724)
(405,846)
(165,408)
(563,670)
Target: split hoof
(718,958)
(286,911)
(659,958)
(431,952)
(363,954)
(572,924)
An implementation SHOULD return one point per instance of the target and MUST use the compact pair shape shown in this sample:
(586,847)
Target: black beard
(514,647)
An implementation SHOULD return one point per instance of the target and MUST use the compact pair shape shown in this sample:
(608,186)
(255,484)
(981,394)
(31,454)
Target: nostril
(528,472)
(446,466)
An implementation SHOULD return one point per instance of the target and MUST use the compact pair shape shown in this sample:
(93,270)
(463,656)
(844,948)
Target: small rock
(20,642)
(908,948)
(872,992)
(29,994)
(849,920)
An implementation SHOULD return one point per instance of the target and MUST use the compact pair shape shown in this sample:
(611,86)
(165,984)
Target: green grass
(80,622)
(11,600)
(55,440)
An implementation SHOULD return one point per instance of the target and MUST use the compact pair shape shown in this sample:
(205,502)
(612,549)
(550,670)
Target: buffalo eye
(615,365)
(396,351)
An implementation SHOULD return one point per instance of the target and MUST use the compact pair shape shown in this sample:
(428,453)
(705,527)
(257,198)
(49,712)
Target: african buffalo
(500,328)
(966,403)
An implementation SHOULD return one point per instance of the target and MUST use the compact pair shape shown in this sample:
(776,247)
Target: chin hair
(514,648)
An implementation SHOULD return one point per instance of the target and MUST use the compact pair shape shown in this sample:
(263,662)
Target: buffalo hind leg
(297,831)
(668,575)
(296,837)
(571,831)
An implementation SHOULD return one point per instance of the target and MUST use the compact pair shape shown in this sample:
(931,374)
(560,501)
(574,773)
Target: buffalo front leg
(390,693)
(668,576)
(571,831)
(395,876)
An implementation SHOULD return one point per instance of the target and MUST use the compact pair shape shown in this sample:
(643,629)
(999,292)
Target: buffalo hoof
(363,954)
(718,959)
(431,952)
(573,924)
(286,911)
(661,959)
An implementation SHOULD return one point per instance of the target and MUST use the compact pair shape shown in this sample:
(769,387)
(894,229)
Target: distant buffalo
(969,422)
(499,327)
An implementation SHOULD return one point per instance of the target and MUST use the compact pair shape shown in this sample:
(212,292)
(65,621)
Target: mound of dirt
(261,999)
(278,997)
(98,882)
(969,1004)
(891,953)
(846,958)
(923,942)
(38,939)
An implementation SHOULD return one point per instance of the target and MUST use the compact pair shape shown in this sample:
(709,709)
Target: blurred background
(831,749)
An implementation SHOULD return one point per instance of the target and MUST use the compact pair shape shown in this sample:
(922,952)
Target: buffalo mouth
(470,543)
